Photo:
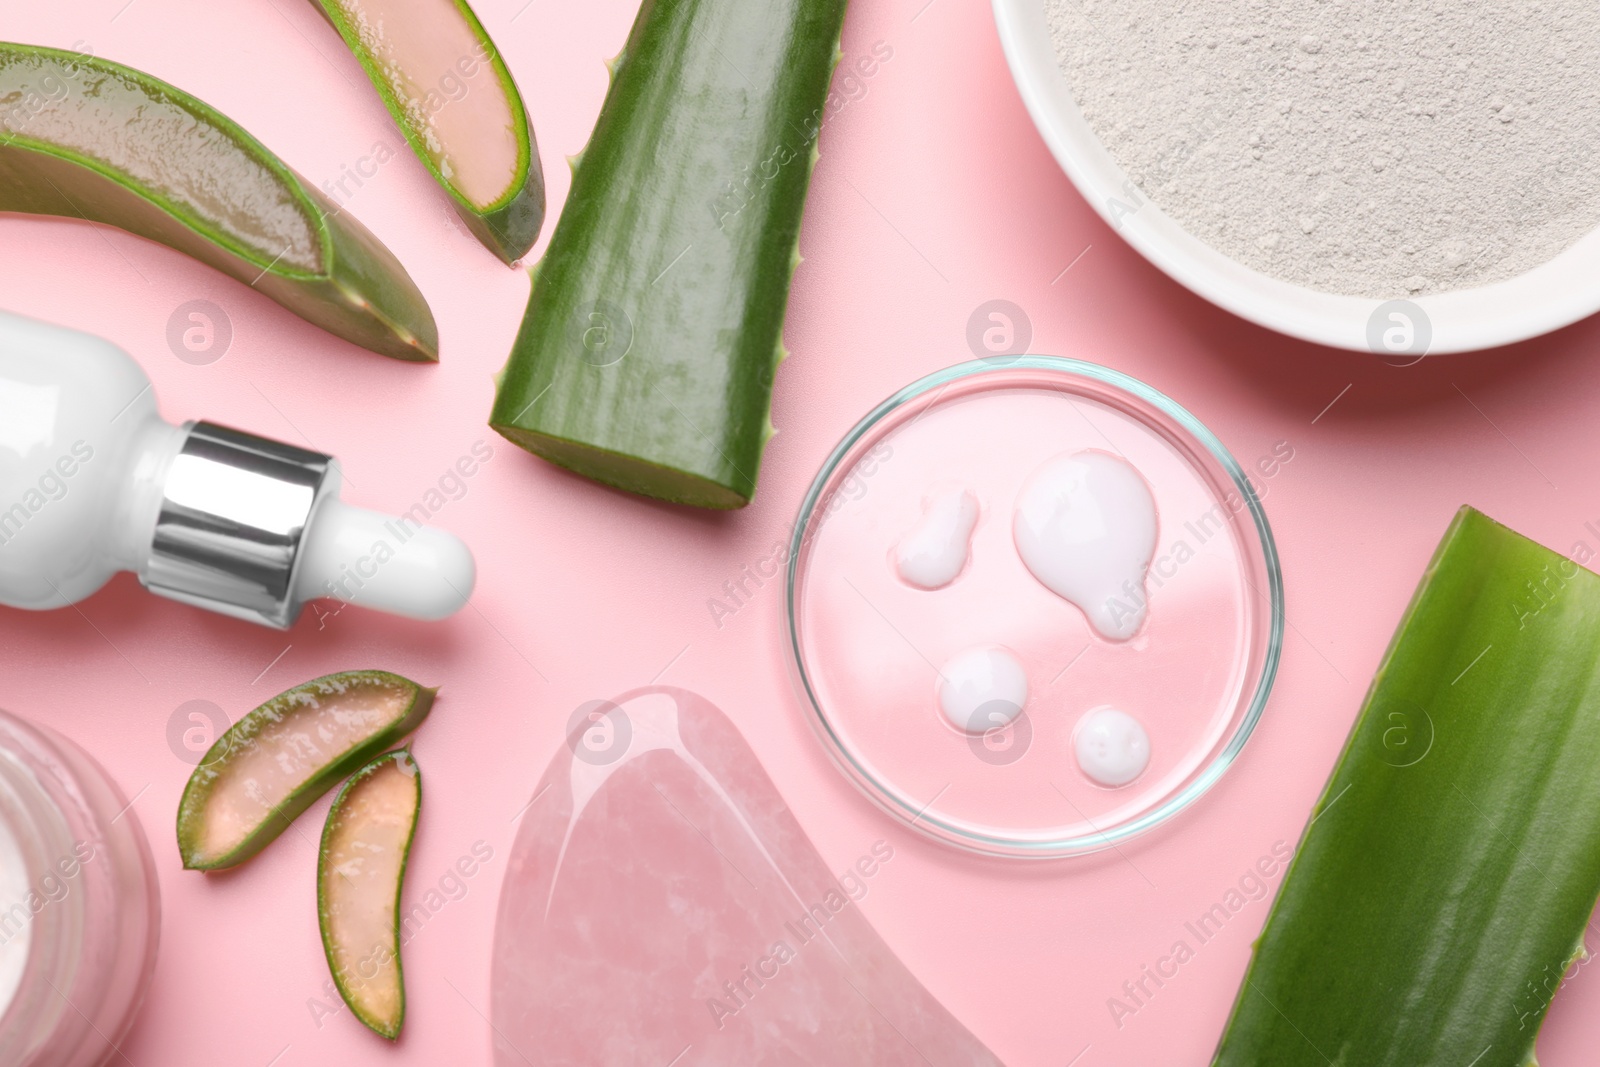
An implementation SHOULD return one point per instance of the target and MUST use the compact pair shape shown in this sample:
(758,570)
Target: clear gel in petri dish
(867,647)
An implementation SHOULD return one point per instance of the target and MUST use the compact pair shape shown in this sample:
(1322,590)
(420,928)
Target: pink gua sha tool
(662,905)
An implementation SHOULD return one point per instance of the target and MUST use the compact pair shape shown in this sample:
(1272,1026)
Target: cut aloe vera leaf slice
(1442,885)
(647,353)
(360,871)
(85,138)
(276,761)
(450,93)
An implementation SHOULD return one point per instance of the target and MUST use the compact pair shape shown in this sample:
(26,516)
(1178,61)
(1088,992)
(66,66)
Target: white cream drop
(934,551)
(1085,525)
(982,688)
(1112,747)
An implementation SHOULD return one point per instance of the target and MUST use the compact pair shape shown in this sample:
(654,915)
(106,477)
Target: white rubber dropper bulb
(383,562)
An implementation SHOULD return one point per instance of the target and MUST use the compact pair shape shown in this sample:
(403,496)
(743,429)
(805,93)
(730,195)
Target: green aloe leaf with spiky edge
(1443,883)
(647,354)
(448,90)
(86,138)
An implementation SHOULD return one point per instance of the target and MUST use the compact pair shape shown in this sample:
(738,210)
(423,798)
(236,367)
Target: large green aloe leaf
(86,138)
(1442,885)
(647,353)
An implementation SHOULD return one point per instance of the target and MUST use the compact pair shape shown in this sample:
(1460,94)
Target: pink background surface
(933,194)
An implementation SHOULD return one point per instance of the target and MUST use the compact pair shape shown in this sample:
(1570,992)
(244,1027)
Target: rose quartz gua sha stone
(662,906)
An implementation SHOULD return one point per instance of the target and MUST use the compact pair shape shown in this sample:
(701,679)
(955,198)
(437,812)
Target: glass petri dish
(867,647)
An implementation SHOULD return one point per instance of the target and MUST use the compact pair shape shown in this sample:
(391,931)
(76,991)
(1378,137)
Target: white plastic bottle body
(80,445)
(89,473)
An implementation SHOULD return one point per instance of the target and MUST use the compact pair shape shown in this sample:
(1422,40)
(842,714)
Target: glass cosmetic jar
(79,904)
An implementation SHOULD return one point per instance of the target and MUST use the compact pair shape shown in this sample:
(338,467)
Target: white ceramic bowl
(1560,292)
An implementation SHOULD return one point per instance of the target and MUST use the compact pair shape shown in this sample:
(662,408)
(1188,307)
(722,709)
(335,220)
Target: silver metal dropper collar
(234,511)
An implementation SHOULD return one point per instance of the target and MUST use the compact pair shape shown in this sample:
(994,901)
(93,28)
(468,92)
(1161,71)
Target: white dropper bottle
(93,481)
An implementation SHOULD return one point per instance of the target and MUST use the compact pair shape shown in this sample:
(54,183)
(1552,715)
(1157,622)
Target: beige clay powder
(1374,148)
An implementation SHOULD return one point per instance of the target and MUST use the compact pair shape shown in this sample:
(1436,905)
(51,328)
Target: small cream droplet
(935,550)
(1112,747)
(983,688)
